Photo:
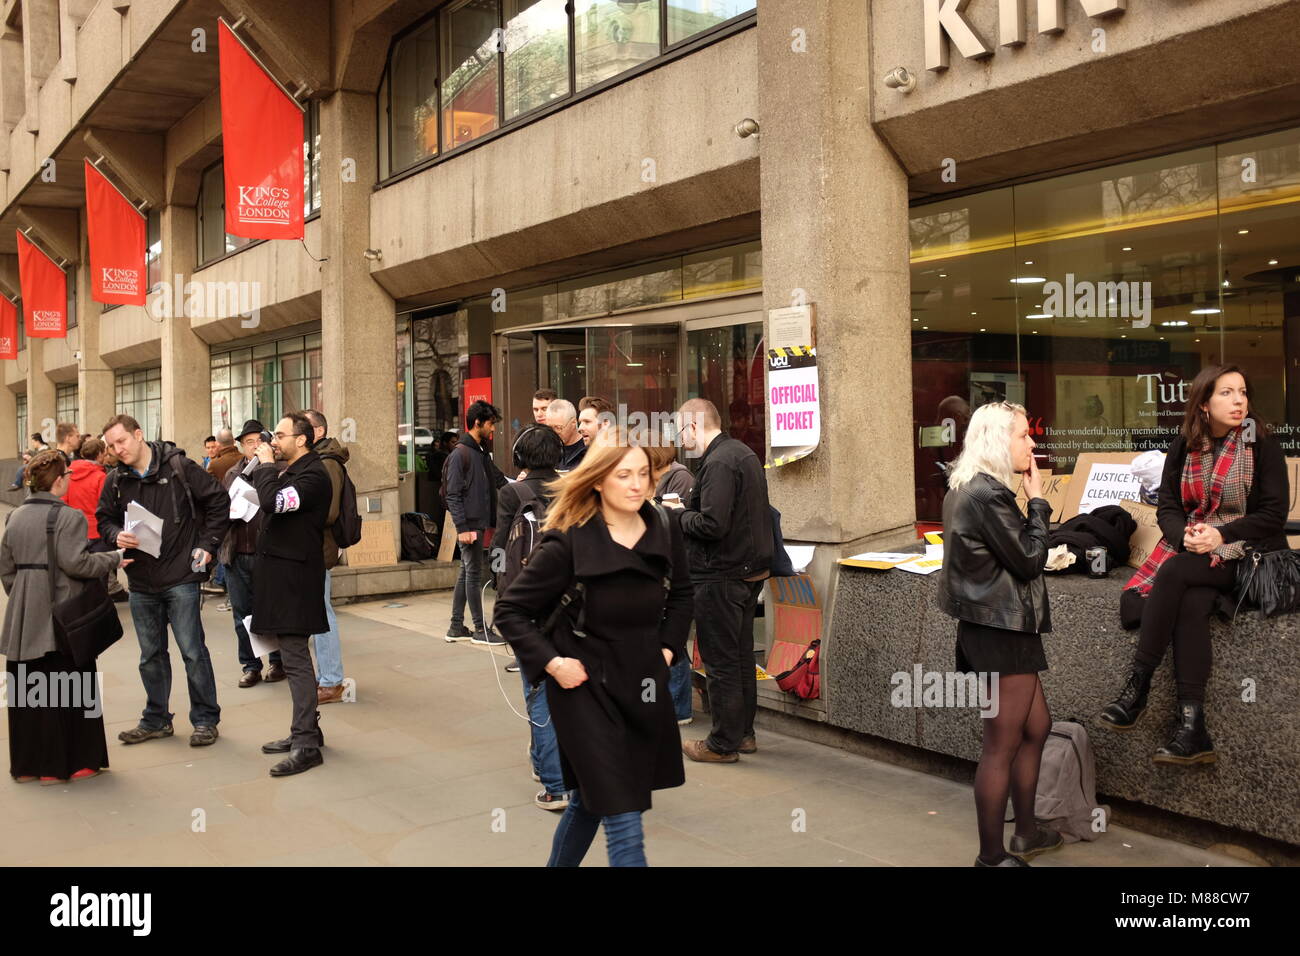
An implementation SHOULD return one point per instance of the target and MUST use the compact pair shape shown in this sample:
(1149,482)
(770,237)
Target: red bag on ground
(804,679)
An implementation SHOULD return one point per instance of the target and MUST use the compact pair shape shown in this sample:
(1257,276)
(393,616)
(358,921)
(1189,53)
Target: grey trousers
(295,657)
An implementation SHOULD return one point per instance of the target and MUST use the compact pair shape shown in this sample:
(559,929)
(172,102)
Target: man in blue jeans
(472,483)
(165,590)
(329,650)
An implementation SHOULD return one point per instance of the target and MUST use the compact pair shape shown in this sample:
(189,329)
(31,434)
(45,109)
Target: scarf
(1214,492)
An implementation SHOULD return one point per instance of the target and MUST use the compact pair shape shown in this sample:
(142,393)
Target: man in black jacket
(165,590)
(472,483)
(728,527)
(289,599)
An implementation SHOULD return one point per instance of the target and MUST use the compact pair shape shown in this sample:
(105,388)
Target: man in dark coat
(165,590)
(727,522)
(289,597)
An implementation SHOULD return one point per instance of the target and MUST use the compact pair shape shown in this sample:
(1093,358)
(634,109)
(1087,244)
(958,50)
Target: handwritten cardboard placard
(377,546)
(1147,536)
(1054,490)
(1101,480)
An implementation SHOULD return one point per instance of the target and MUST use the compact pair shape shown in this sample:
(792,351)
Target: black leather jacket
(993,558)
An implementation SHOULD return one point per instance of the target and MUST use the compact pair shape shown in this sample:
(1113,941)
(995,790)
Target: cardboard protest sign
(1147,536)
(1101,480)
(1054,490)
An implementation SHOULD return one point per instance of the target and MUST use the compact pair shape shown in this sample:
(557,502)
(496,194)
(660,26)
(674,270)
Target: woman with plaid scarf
(1224,488)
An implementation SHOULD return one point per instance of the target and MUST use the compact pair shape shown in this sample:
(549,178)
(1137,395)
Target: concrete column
(9,439)
(40,51)
(41,403)
(834,224)
(186,370)
(358,319)
(94,378)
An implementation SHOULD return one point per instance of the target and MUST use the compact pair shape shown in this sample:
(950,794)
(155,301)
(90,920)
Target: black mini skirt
(994,650)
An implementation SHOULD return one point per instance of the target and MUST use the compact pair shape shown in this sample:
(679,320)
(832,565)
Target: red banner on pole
(261,132)
(8,329)
(45,292)
(116,230)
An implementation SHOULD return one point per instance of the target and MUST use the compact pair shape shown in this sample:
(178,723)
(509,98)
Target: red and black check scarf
(1215,502)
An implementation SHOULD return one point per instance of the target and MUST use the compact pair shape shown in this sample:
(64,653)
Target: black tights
(1178,610)
(1013,749)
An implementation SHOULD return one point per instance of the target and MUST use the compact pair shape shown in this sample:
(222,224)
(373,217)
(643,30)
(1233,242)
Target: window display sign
(793,402)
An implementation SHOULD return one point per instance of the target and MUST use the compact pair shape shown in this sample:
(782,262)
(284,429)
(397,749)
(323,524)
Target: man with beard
(289,596)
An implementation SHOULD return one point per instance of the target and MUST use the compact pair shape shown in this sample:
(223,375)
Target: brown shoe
(699,751)
(328,695)
(250,678)
(748,745)
(274,674)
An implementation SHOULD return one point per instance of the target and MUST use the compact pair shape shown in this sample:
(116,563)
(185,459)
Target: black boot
(1191,741)
(1123,712)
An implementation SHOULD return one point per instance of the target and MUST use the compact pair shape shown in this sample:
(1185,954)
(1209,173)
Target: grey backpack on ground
(1067,785)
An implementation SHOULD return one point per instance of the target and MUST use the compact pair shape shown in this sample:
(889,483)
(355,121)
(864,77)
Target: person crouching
(289,576)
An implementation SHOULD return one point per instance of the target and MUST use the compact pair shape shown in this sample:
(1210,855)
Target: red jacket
(83,491)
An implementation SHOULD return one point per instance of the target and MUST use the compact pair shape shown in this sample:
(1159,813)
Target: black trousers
(295,657)
(1178,610)
(724,632)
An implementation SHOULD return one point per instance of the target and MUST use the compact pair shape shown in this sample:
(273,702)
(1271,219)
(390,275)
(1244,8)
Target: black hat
(251,427)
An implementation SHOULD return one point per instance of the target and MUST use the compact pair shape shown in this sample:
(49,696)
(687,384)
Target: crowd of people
(276,565)
(606,551)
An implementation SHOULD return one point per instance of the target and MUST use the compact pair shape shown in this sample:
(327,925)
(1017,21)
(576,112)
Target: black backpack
(524,533)
(417,537)
(347,527)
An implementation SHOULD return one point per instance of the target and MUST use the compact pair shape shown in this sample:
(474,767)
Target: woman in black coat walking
(1224,488)
(610,572)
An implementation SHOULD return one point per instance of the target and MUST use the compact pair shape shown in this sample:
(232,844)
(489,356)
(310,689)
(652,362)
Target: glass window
(71,274)
(689,17)
(66,404)
(610,37)
(265,382)
(635,367)
(1094,298)
(413,130)
(470,38)
(311,158)
(214,241)
(723,271)
(725,366)
(139,394)
(21,402)
(646,284)
(536,54)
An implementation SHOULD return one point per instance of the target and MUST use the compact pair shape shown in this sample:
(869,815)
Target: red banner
(8,329)
(45,292)
(261,133)
(116,230)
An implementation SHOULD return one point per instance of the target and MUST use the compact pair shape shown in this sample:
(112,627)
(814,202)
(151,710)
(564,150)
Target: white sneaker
(683,723)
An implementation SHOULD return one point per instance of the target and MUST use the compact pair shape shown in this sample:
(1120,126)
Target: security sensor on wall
(900,79)
(746,128)
(373,254)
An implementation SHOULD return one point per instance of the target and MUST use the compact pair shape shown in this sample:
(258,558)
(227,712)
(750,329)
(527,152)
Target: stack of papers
(243,501)
(146,526)
(926,563)
(262,645)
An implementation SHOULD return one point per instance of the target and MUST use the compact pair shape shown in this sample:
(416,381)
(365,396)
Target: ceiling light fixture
(1028,280)
(1127,249)
(1205,310)
(1272,262)
(1243,232)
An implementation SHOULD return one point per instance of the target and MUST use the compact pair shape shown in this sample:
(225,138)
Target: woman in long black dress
(56,719)
(992,582)
(611,572)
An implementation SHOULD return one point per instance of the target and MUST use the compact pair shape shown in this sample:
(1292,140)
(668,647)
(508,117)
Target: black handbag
(87,624)
(1269,581)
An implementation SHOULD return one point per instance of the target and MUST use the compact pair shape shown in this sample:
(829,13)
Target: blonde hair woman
(992,582)
(610,586)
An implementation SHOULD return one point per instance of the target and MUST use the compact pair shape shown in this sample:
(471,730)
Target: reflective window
(153,251)
(311,158)
(470,39)
(636,368)
(21,403)
(689,17)
(535,54)
(1094,298)
(214,241)
(413,121)
(266,382)
(610,37)
(67,407)
(139,394)
(725,366)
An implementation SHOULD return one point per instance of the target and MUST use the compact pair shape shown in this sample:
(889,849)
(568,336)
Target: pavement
(428,766)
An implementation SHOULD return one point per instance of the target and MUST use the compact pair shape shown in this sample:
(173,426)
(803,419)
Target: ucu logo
(780,361)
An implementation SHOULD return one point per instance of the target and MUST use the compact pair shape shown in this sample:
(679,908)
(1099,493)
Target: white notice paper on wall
(1109,485)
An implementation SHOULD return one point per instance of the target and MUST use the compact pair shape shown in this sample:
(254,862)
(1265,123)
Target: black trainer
(1007,860)
(488,636)
(1123,712)
(1191,741)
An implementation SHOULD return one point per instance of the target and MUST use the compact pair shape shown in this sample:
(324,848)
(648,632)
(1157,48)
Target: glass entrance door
(725,365)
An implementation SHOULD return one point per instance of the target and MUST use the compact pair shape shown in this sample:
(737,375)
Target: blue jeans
(219,576)
(239,587)
(329,652)
(469,585)
(679,685)
(623,836)
(151,613)
(545,749)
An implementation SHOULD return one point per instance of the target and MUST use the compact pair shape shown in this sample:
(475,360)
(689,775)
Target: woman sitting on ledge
(1224,487)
